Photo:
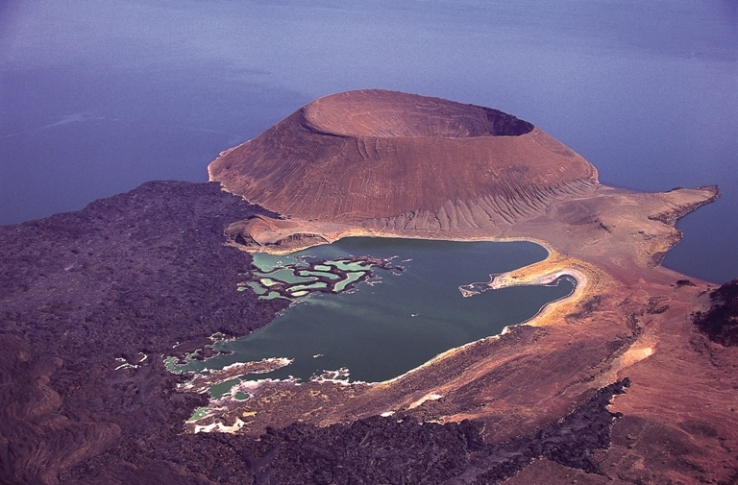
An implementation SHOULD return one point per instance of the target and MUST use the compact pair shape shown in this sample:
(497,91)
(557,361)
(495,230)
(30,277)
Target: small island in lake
(630,379)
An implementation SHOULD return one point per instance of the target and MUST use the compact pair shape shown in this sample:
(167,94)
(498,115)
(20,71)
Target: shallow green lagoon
(395,320)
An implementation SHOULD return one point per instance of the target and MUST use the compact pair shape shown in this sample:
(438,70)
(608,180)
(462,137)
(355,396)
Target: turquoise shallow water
(396,320)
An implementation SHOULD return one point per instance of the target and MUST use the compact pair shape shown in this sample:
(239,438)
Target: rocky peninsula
(615,384)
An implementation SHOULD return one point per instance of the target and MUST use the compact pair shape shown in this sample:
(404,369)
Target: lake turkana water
(396,320)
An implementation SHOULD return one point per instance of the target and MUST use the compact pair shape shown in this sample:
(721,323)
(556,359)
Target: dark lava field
(146,274)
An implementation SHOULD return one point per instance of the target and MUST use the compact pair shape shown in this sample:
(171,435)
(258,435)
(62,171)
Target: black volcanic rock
(133,273)
(127,277)
(720,322)
(402,450)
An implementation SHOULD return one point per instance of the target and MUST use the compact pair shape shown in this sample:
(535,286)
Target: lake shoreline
(411,285)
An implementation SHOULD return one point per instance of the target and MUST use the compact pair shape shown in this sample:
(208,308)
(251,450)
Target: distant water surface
(98,97)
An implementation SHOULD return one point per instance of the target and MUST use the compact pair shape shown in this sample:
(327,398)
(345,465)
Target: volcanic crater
(392,159)
(385,114)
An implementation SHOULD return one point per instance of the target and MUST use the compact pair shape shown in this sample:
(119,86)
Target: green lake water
(395,320)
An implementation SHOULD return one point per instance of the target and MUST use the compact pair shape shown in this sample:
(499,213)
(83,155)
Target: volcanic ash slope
(394,161)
